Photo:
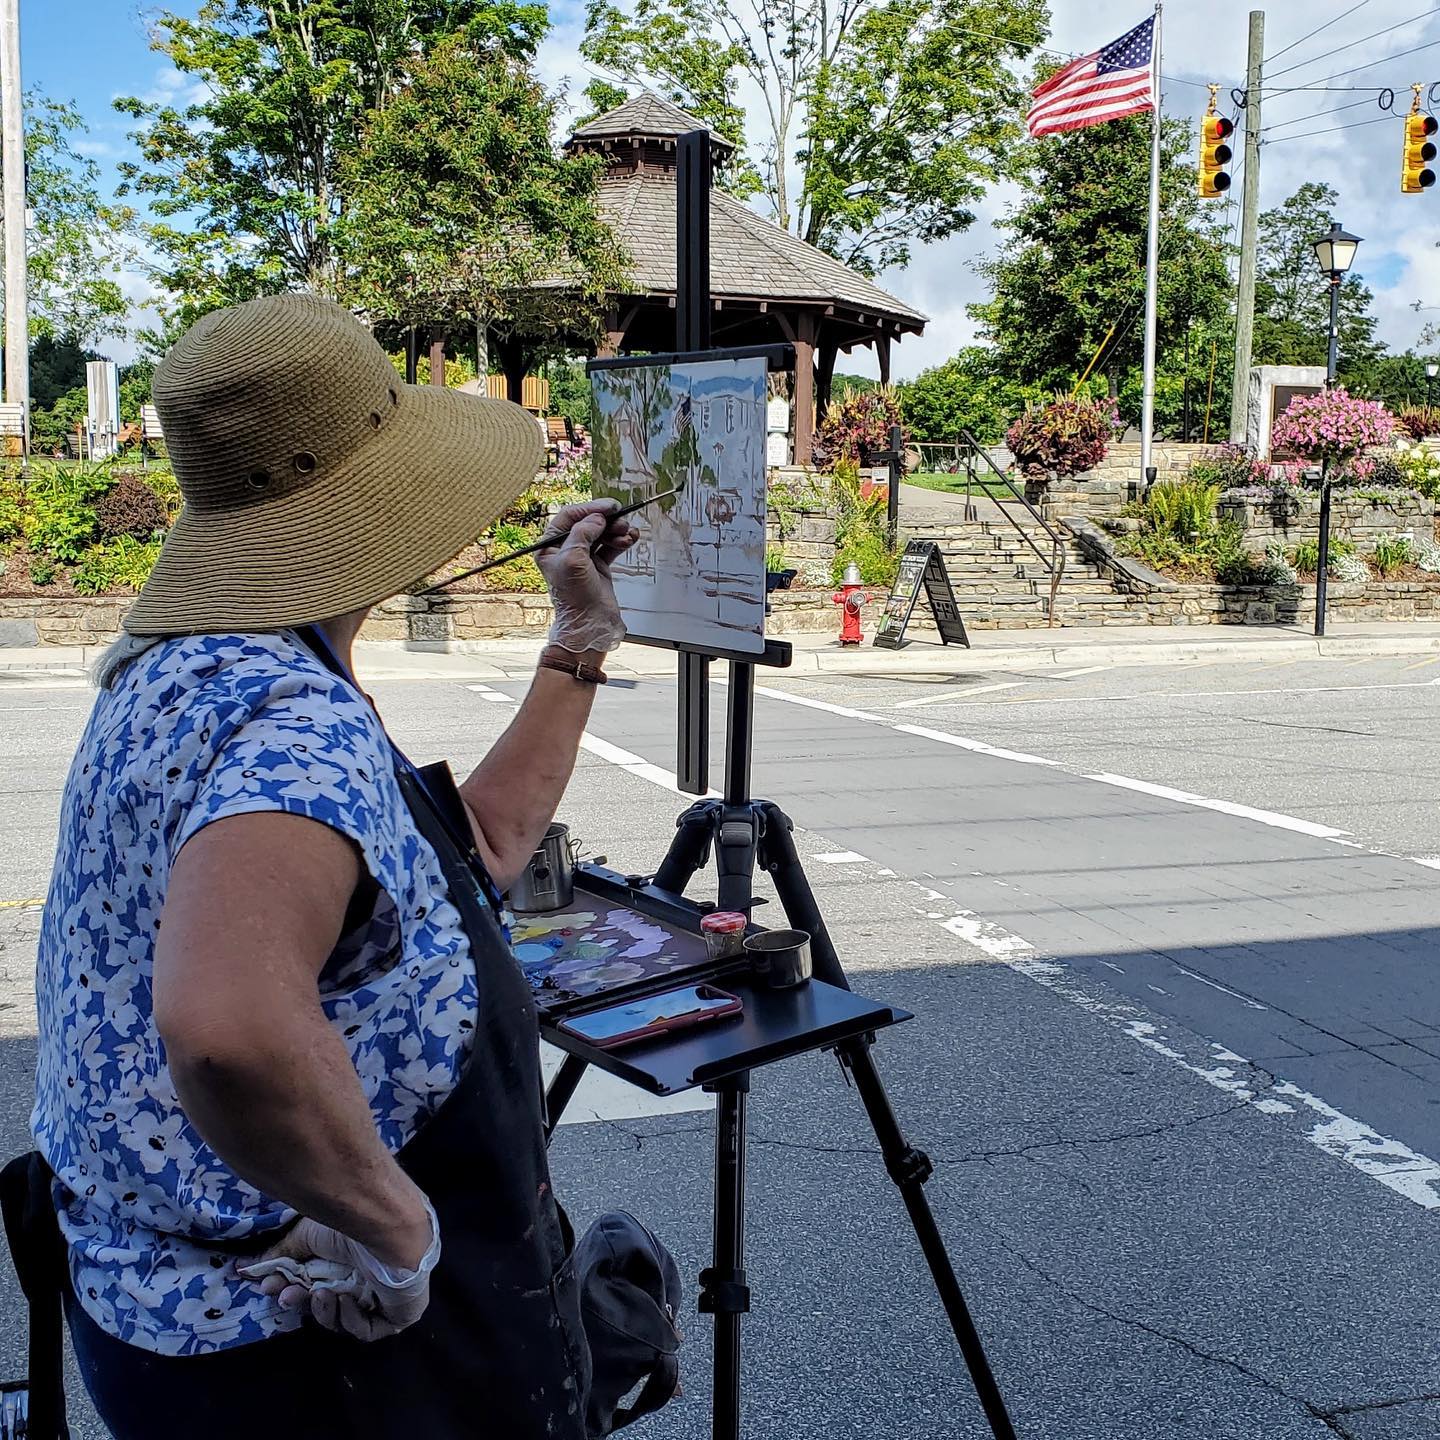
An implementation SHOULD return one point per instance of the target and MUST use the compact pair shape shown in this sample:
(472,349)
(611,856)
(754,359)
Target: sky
(89,51)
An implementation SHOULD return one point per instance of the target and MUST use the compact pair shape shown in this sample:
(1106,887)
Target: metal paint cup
(780,957)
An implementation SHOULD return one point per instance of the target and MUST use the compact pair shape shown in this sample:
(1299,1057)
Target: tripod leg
(690,848)
(910,1169)
(723,1291)
(560,1090)
(780,859)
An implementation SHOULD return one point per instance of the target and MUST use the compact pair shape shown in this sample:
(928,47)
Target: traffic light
(1415,172)
(1214,156)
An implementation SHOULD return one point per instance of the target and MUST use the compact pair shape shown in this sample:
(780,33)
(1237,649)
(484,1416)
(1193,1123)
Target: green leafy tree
(1292,297)
(460,205)
(883,120)
(967,392)
(1073,265)
(244,184)
(77,244)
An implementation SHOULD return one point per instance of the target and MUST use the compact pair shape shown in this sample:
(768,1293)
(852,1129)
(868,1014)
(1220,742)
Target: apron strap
(38,1250)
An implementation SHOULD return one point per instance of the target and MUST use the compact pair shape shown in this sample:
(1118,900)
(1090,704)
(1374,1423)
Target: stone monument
(1272,388)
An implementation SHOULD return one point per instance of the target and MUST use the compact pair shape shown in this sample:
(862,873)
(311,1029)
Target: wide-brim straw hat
(315,482)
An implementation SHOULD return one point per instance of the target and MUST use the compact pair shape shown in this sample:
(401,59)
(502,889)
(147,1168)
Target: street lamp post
(1335,250)
(1431,370)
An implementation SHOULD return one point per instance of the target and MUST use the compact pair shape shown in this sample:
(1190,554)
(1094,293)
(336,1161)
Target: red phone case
(662,1027)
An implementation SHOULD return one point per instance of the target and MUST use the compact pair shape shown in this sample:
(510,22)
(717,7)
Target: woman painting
(287,1082)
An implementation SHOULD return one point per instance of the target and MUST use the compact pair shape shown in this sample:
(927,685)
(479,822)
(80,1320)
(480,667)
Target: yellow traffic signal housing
(1215,155)
(1415,172)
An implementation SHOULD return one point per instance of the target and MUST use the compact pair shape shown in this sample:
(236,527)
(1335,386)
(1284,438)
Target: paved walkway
(990,650)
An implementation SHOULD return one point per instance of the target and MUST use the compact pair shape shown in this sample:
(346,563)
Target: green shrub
(130,507)
(58,525)
(120,563)
(12,497)
(1306,557)
(775,561)
(1182,507)
(1392,554)
(872,553)
(1419,470)
(43,571)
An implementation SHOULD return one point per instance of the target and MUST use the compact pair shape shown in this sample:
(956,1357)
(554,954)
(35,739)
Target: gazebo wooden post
(824,374)
(437,354)
(882,355)
(804,386)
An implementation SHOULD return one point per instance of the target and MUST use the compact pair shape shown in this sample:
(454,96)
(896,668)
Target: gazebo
(767,284)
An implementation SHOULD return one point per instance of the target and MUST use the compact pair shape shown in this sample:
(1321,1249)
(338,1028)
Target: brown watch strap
(576,669)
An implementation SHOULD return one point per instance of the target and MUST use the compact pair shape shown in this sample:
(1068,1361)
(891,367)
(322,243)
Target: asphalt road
(1176,1064)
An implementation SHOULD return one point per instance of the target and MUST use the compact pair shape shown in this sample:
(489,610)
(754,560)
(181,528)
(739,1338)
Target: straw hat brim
(444,467)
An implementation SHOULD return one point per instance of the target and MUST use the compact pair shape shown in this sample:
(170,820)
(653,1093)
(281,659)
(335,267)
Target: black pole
(897,468)
(1185,422)
(723,1289)
(1322,564)
(692,332)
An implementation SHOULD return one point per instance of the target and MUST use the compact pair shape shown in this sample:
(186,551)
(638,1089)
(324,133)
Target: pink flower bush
(1333,426)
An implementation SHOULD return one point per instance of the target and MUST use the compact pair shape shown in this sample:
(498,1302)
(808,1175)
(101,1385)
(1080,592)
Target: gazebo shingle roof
(750,257)
(646,116)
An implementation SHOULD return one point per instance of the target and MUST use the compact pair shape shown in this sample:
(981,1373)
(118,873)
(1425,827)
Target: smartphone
(653,1015)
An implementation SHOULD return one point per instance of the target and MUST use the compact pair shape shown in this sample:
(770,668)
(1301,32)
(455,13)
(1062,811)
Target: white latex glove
(341,1284)
(587,615)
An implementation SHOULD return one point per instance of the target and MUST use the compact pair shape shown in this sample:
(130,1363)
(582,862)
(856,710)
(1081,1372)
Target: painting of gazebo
(697,576)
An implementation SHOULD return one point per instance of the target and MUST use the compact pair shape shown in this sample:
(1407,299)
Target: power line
(1331,130)
(1316,31)
(1340,49)
(1428,45)
(1316,115)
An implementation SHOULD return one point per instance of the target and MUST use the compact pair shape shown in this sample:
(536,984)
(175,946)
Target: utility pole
(12,156)
(1249,227)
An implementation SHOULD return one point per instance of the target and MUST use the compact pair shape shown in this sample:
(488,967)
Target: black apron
(501,1350)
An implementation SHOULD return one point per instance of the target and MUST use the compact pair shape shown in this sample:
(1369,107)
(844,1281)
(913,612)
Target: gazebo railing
(1054,563)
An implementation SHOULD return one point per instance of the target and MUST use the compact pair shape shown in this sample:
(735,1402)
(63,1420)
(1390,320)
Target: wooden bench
(559,437)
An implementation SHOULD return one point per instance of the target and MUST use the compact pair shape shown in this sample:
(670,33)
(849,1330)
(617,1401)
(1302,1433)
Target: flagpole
(1152,265)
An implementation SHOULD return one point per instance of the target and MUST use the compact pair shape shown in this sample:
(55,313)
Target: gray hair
(106,670)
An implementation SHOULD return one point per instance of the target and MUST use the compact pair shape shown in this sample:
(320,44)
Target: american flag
(1105,85)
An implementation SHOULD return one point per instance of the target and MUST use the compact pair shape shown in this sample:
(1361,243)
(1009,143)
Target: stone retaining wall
(1295,518)
(92,622)
(811,542)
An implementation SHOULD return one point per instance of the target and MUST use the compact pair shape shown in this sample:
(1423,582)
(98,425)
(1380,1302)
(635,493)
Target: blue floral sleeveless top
(193,730)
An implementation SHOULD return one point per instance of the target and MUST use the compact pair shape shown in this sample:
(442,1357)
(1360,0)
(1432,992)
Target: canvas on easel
(697,575)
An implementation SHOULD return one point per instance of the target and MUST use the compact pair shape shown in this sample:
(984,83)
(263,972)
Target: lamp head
(1335,250)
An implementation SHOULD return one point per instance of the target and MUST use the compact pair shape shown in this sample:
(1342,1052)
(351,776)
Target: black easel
(744,832)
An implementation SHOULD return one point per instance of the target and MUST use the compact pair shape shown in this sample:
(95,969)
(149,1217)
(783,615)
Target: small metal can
(724,932)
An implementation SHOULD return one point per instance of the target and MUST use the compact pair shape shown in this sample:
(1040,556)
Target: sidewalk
(821,654)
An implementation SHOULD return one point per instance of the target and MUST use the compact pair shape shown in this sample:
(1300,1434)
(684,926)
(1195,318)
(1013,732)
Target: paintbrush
(545,542)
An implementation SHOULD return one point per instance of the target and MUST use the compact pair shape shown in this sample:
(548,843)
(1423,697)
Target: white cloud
(1204,42)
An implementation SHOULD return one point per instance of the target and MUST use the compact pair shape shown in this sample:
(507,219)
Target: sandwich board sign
(920,565)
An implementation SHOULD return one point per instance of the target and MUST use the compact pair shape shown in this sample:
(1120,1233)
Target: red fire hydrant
(850,597)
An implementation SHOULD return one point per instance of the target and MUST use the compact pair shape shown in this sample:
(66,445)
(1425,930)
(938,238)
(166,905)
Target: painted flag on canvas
(1104,85)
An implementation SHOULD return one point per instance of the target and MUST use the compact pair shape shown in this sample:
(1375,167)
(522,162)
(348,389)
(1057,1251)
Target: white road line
(497,696)
(958,694)
(1422,664)
(1214,694)
(1124,782)
(1223,989)
(1086,670)
(826,705)
(843,857)
(963,742)
(1226,807)
(1408,1173)
(635,764)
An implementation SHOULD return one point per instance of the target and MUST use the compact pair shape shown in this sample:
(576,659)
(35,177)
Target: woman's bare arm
(253,909)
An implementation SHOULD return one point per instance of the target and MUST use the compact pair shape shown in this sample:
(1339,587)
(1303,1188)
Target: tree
(459,204)
(77,245)
(964,393)
(1292,297)
(894,116)
(1074,264)
(244,183)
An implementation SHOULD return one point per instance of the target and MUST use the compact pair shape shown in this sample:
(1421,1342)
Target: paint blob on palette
(591,948)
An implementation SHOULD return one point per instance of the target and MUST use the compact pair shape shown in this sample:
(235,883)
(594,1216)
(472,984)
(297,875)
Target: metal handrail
(1056,563)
